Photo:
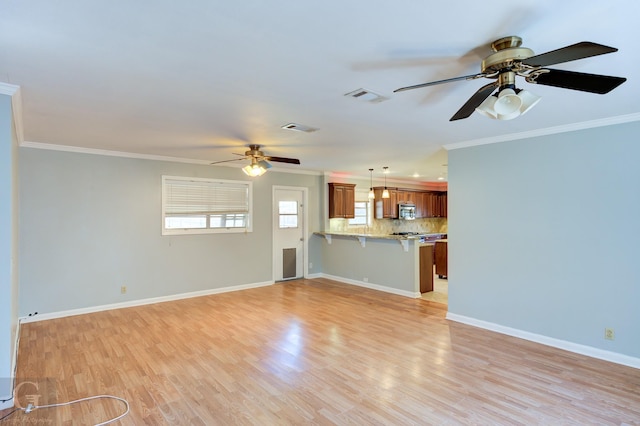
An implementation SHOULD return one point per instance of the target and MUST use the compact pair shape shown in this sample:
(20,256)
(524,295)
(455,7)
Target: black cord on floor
(16,409)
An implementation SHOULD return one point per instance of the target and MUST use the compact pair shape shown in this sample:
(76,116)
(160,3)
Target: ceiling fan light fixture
(253,171)
(529,100)
(508,103)
(256,168)
(486,108)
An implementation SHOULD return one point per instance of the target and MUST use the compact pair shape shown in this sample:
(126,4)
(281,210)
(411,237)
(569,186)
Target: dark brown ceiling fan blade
(593,83)
(474,101)
(282,160)
(448,80)
(584,49)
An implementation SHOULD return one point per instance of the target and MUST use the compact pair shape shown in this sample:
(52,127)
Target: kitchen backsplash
(436,225)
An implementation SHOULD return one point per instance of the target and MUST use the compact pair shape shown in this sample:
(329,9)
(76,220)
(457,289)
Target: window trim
(196,231)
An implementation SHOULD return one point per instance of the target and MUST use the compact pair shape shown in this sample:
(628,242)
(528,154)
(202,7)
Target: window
(288,214)
(361,213)
(199,206)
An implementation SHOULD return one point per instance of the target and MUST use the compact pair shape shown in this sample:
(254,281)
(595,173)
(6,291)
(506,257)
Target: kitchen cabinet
(441,258)
(420,208)
(342,200)
(386,208)
(440,204)
(434,204)
(443,204)
(428,203)
(406,197)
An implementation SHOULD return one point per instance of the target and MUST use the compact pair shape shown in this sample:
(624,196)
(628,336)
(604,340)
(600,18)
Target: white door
(288,232)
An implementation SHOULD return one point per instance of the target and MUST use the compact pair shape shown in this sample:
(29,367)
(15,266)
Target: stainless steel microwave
(406,211)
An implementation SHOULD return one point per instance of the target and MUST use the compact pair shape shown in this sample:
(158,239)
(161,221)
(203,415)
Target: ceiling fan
(510,60)
(259,162)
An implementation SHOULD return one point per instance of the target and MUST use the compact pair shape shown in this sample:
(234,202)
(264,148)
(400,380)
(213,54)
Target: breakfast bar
(391,263)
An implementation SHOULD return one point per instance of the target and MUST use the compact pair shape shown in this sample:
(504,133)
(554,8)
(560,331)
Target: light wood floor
(310,352)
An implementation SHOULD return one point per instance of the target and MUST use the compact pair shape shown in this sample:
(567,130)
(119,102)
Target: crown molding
(621,119)
(16,107)
(8,89)
(122,154)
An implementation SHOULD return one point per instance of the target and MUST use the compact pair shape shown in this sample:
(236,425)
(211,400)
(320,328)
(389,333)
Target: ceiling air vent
(366,96)
(299,127)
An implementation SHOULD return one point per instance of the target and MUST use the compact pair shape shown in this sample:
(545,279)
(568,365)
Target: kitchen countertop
(382,236)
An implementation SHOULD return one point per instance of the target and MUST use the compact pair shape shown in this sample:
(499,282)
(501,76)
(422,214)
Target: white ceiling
(202,79)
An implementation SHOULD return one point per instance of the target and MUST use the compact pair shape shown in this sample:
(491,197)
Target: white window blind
(197,205)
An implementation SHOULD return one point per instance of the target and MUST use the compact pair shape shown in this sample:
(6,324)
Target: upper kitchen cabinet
(434,204)
(342,199)
(421,207)
(406,196)
(386,208)
(443,204)
(430,204)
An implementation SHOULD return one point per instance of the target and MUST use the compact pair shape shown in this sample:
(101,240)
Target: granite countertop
(381,236)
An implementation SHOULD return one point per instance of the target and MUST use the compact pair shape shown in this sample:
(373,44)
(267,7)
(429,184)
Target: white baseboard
(139,302)
(405,293)
(312,276)
(549,341)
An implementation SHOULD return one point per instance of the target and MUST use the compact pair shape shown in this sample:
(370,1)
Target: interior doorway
(290,243)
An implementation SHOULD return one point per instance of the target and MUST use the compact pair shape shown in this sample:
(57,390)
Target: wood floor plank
(311,352)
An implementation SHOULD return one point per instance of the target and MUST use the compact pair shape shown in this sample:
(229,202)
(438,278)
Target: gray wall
(544,235)
(90,224)
(8,245)
(381,262)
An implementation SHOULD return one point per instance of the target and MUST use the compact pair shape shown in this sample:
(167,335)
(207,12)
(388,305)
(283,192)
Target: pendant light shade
(385,193)
(372,195)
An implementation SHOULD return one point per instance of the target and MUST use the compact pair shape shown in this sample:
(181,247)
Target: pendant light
(372,195)
(385,193)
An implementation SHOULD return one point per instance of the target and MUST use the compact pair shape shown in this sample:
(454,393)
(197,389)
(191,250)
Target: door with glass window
(288,234)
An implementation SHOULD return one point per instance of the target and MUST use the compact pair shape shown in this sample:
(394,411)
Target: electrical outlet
(365,279)
(609,334)
(310,265)
(123,289)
